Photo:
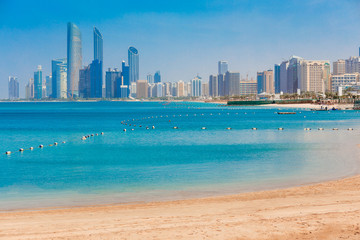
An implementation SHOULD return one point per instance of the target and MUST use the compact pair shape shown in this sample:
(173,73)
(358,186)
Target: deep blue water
(164,163)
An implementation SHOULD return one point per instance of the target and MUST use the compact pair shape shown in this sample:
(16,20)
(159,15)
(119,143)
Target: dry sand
(329,210)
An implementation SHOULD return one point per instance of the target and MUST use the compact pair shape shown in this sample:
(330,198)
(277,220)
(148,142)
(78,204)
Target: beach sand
(329,210)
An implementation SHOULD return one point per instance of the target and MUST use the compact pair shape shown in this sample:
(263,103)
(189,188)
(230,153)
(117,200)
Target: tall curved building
(98,45)
(133,59)
(74,59)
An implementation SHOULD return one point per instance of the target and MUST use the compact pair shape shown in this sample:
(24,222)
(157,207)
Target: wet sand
(329,210)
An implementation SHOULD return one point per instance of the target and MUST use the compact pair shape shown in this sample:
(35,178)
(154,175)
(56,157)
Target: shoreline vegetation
(327,210)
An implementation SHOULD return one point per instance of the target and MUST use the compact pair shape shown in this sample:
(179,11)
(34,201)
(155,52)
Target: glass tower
(74,58)
(133,59)
(13,88)
(59,78)
(223,67)
(157,77)
(38,83)
(98,45)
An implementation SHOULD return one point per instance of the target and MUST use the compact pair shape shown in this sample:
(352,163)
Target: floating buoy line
(135,123)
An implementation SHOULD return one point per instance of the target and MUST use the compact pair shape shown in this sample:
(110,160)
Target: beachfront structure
(141,89)
(13,87)
(38,83)
(339,67)
(342,80)
(74,59)
(314,76)
(265,82)
(133,59)
(223,67)
(352,65)
(59,78)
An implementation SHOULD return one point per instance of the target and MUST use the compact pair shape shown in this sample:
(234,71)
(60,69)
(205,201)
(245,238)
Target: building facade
(38,83)
(133,59)
(59,78)
(223,67)
(74,59)
(13,88)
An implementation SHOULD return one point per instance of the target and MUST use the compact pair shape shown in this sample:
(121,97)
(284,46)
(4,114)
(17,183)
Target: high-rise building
(213,86)
(196,87)
(159,89)
(157,77)
(48,80)
(113,83)
(85,82)
(125,74)
(283,76)
(74,59)
(98,45)
(205,89)
(223,67)
(221,84)
(293,82)
(13,88)
(352,65)
(133,59)
(277,78)
(133,90)
(339,67)
(96,79)
(232,83)
(29,89)
(248,87)
(181,89)
(141,89)
(150,78)
(314,76)
(265,82)
(59,78)
(38,83)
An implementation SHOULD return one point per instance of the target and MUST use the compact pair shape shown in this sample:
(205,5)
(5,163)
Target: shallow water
(164,163)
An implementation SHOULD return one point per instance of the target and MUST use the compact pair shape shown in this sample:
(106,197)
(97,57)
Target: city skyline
(178,49)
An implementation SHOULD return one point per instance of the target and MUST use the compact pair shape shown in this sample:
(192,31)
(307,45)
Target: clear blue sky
(179,38)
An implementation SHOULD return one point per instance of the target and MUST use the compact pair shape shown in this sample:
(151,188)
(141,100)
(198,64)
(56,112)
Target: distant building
(123,92)
(221,84)
(344,80)
(293,81)
(48,81)
(352,65)
(314,76)
(150,78)
(133,90)
(74,59)
(265,82)
(339,67)
(223,67)
(59,78)
(248,87)
(277,78)
(205,89)
(98,45)
(13,87)
(159,89)
(96,79)
(38,83)
(113,83)
(196,87)
(85,82)
(181,89)
(157,77)
(141,89)
(283,76)
(29,89)
(213,86)
(232,83)
(133,59)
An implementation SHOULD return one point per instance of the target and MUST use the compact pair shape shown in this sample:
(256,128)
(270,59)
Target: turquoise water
(164,163)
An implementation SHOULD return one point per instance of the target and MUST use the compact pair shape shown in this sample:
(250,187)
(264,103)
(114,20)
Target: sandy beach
(327,210)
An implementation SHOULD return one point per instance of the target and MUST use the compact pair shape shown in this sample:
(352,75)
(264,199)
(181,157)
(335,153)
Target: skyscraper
(213,86)
(48,86)
(196,87)
(293,81)
(157,77)
(150,78)
(133,59)
(98,45)
(13,88)
(283,76)
(141,89)
(223,67)
(96,77)
(38,83)
(277,78)
(265,82)
(232,83)
(125,74)
(314,76)
(59,78)
(113,82)
(74,59)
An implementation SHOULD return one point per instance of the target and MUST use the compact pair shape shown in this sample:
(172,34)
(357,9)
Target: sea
(159,151)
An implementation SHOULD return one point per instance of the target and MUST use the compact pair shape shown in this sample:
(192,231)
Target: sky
(179,38)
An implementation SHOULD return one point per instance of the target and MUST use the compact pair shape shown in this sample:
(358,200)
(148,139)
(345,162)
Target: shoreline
(280,214)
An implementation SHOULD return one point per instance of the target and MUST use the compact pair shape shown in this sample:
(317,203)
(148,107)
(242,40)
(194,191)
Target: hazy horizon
(181,39)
